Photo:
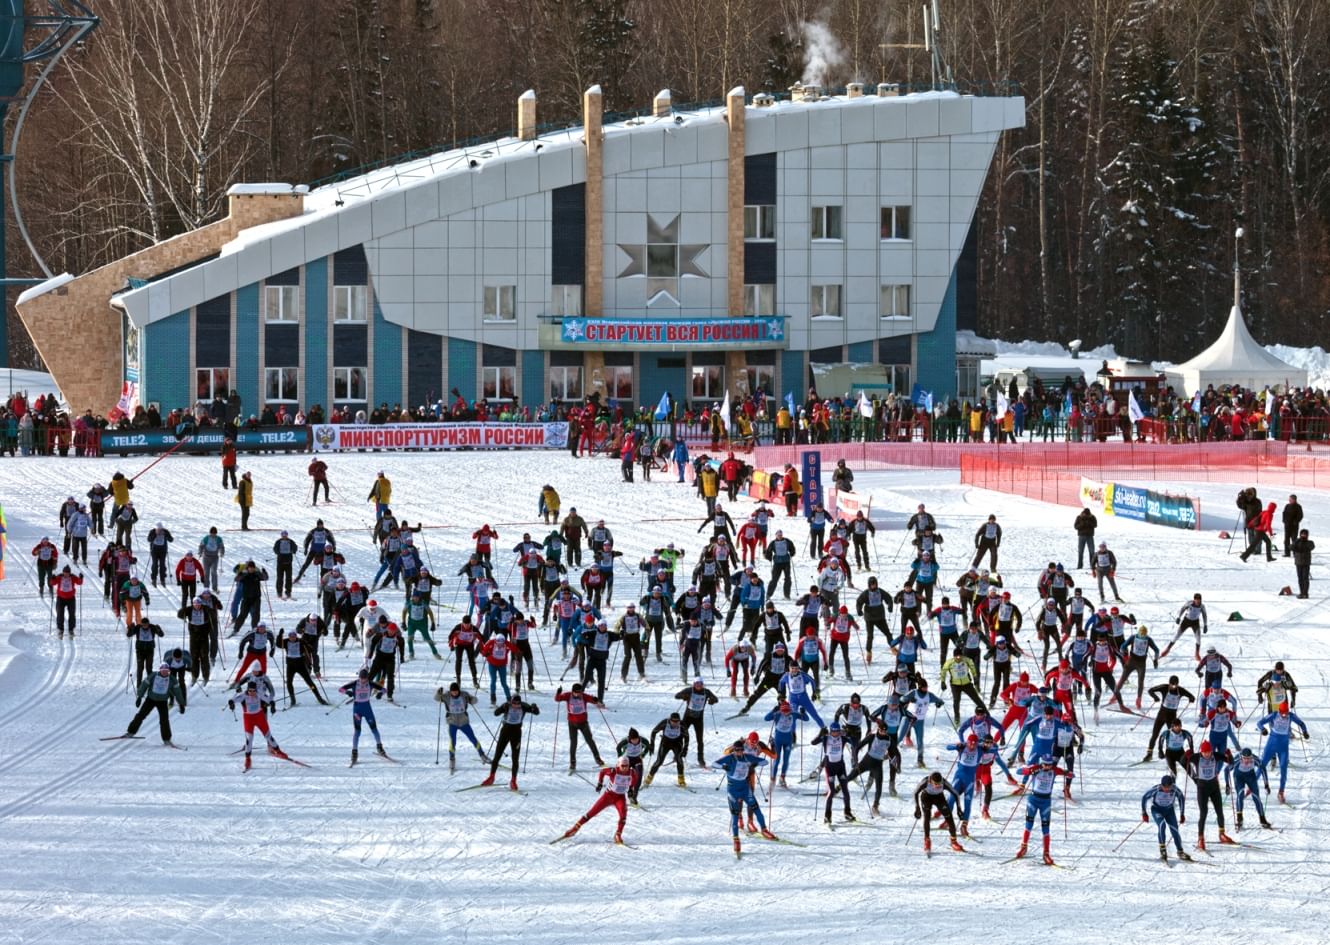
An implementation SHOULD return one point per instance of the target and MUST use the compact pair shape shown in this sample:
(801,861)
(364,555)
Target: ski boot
(984,814)
(1025,845)
(928,845)
(647,782)
(1184,855)
(248,763)
(782,781)
(512,783)
(965,829)
(276,751)
(618,838)
(682,782)
(452,762)
(1146,756)
(752,825)
(355,755)
(378,749)
(827,820)
(1281,798)
(873,811)
(956,845)
(1048,856)
(768,835)
(1266,824)
(850,818)
(572,830)
(484,759)
(1200,844)
(1163,852)
(1239,825)
(488,781)
(1225,839)
(737,849)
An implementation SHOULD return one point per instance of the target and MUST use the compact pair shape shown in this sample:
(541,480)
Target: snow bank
(1315,361)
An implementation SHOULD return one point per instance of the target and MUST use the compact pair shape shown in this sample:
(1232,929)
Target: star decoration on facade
(572,330)
(775,329)
(662,259)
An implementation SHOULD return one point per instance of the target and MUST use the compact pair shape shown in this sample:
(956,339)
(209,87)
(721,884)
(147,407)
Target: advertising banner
(1175,511)
(207,440)
(709,332)
(440,436)
(1093,495)
(1143,505)
(849,504)
(1126,501)
(812,473)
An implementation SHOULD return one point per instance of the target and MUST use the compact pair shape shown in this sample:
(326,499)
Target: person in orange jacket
(229,465)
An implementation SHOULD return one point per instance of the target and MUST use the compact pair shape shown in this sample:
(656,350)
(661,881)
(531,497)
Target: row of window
(825,222)
(350,384)
(283,303)
(826,300)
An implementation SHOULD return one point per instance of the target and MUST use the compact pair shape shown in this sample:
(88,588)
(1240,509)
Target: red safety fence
(62,441)
(1017,478)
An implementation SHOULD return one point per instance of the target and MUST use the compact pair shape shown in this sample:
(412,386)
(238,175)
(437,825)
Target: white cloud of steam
(822,53)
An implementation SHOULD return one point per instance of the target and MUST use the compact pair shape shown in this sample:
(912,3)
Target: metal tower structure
(53,32)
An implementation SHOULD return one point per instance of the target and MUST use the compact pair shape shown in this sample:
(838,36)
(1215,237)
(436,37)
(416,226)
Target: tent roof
(1236,351)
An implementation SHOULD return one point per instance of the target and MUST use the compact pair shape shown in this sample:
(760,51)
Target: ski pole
(1127,837)
(613,738)
(438,733)
(526,752)
(339,705)
(554,754)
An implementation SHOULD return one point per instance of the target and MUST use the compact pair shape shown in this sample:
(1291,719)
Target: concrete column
(526,115)
(593,138)
(662,104)
(593,374)
(736,364)
(734,206)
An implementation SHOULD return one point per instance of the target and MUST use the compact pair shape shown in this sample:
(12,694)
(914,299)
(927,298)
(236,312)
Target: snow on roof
(276,189)
(41,288)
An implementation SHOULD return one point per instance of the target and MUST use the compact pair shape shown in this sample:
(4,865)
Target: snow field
(126,841)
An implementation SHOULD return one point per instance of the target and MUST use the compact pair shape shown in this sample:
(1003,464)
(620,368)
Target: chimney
(662,105)
(854,90)
(886,90)
(526,115)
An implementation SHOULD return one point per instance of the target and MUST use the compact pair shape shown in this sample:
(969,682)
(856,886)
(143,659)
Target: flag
(1196,402)
(865,408)
(4,539)
(789,403)
(1133,408)
(663,408)
(1269,402)
(1002,405)
(1066,403)
(725,411)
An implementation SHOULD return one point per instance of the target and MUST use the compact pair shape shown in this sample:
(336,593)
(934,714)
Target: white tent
(1235,358)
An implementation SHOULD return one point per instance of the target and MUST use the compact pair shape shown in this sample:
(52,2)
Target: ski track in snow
(115,842)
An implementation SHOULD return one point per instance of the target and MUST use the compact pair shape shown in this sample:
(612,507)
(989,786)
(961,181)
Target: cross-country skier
(622,779)
(155,692)
(1039,801)
(931,796)
(513,714)
(1278,726)
(455,702)
(255,707)
(738,766)
(1167,807)
(359,691)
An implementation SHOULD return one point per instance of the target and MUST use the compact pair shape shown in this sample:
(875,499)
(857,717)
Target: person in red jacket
(731,471)
(498,651)
(463,641)
(1261,527)
(750,533)
(65,585)
(1017,696)
(229,465)
(1063,679)
(485,538)
(187,571)
(318,471)
(622,779)
(577,722)
(47,554)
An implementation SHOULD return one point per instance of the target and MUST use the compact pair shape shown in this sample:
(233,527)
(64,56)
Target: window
(619,383)
(895,301)
(826,223)
(566,300)
(761,377)
(500,303)
(349,383)
(825,302)
(896,223)
(349,303)
(760,299)
(759,222)
(565,383)
(281,384)
(499,383)
(967,379)
(708,382)
(899,376)
(211,383)
(281,303)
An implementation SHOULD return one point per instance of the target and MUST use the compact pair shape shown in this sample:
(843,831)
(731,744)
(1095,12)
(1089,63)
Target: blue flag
(663,408)
(1066,403)
(1196,402)
(789,402)
(923,399)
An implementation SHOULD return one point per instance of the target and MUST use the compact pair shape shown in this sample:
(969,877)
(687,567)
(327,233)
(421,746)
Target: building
(694,251)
